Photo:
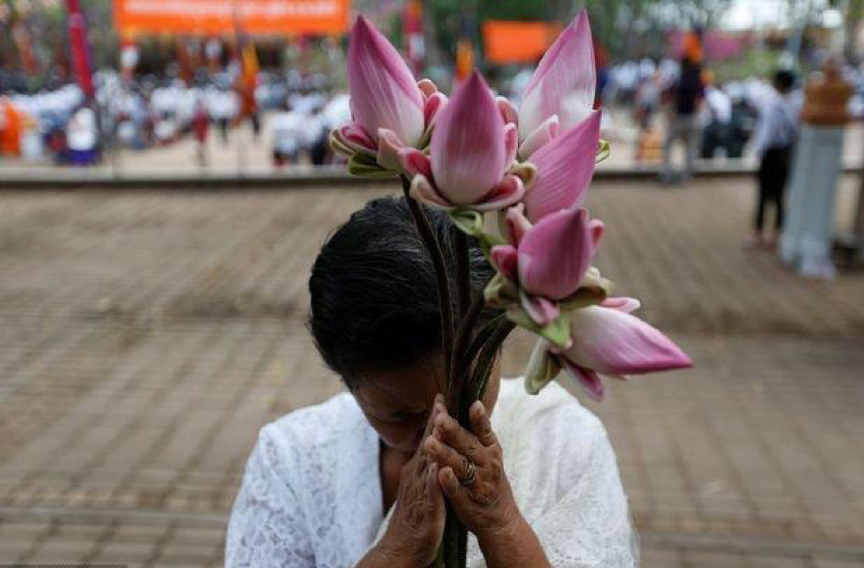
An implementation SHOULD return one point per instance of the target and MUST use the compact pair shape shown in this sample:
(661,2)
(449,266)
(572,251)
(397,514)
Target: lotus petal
(541,310)
(589,381)
(389,146)
(414,162)
(353,135)
(541,136)
(564,82)
(511,143)
(622,303)
(505,259)
(565,167)
(422,190)
(433,105)
(507,192)
(596,229)
(516,224)
(508,111)
(427,87)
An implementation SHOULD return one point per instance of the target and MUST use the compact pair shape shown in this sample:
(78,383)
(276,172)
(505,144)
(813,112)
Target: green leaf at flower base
(542,368)
(361,165)
(468,220)
(487,241)
(583,297)
(603,151)
(426,138)
(526,171)
(471,222)
(500,292)
(557,332)
(339,146)
(593,289)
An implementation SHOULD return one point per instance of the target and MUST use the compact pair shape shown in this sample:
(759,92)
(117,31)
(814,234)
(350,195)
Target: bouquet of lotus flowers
(523,170)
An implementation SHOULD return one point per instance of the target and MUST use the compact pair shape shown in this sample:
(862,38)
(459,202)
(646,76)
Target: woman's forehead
(411,388)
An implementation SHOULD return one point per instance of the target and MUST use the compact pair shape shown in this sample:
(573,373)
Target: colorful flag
(412,30)
(79,46)
(464,59)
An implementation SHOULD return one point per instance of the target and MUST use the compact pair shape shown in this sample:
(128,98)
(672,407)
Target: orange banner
(517,42)
(221,17)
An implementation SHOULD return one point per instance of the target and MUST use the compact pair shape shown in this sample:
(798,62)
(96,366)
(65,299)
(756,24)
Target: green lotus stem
(450,543)
(482,337)
(469,354)
(466,324)
(473,390)
(462,354)
(463,270)
(424,229)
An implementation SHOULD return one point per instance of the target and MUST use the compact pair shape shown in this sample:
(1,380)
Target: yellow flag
(250,62)
(464,59)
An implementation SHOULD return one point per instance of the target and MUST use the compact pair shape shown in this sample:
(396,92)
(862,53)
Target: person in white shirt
(82,137)
(223,106)
(359,481)
(287,136)
(315,136)
(773,141)
(716,118)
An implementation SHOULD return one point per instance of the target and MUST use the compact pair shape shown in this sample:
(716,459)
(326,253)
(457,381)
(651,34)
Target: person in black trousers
(774,140)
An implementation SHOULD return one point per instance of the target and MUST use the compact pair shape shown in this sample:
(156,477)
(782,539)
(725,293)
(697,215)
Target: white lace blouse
(311,494)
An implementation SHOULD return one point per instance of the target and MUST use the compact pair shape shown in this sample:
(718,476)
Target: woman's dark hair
(373,290)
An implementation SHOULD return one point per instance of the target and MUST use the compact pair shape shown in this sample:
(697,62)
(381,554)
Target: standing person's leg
(223,129)
(689,136)
(763,188)
(668,142)
(774,180)
(255,117)
(784,162)
(772,191)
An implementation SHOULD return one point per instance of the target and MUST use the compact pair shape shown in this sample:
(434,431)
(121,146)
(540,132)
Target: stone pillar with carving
(808,235)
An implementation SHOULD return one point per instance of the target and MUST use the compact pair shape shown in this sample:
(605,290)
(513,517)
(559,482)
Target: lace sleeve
(589,525)
(267,528)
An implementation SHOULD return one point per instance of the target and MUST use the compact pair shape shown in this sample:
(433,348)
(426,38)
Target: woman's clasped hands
(467,467)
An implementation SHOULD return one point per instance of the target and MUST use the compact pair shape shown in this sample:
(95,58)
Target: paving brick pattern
(145,337)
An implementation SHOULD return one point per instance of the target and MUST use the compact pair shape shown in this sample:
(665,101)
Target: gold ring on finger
(470,473)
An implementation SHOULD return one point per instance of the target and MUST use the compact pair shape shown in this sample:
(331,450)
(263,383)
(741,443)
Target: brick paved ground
(145,337)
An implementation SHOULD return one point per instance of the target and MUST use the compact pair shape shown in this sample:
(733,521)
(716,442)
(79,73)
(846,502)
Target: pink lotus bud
(468,144)
(383,91)
(612,342)
(555,253)
(564,82)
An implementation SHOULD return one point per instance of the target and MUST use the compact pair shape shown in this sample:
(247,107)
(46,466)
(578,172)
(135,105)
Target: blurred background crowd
(83,81)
